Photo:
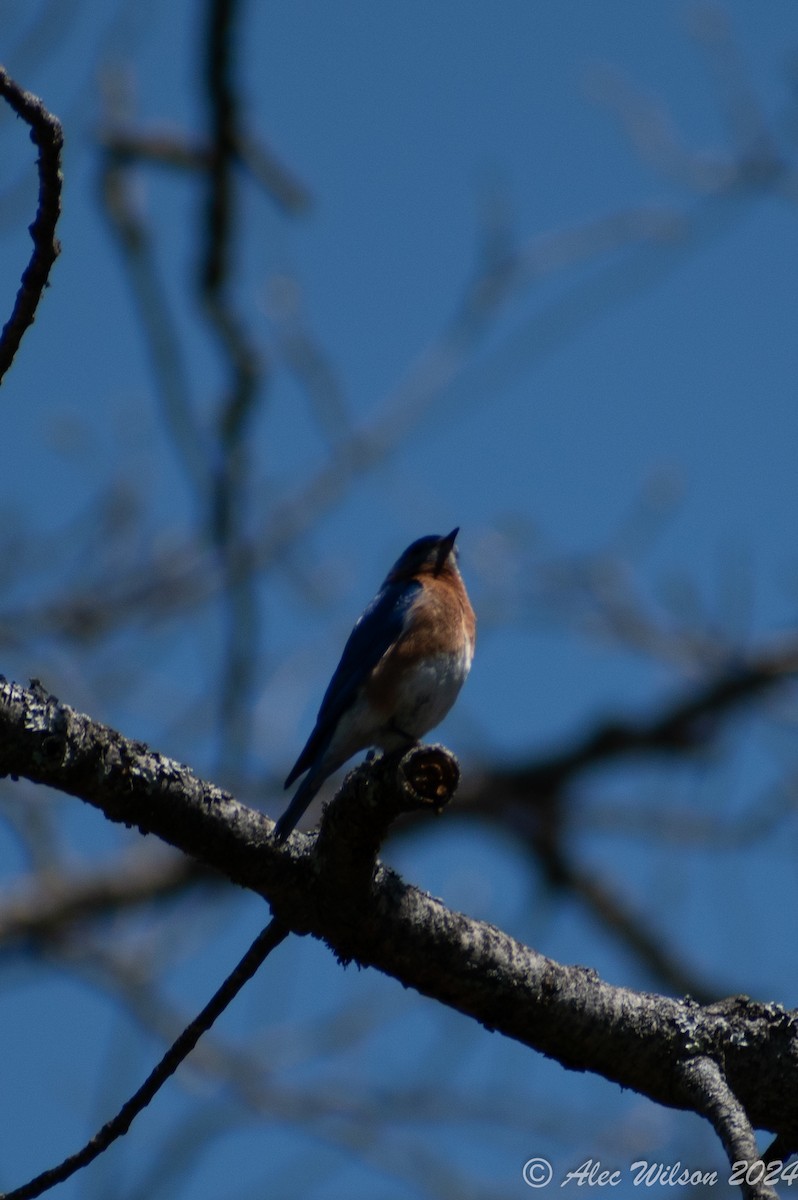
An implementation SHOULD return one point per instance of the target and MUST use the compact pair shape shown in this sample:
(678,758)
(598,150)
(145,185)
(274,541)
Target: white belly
(424,697)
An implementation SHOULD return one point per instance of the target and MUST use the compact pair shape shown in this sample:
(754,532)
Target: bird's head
(428,556)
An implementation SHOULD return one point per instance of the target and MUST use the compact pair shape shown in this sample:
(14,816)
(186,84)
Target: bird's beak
(445,548)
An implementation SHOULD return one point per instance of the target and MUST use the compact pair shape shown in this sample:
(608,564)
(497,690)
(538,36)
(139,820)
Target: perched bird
(401,670)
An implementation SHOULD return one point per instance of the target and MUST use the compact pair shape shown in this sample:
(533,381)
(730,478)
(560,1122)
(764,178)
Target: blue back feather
(376,631)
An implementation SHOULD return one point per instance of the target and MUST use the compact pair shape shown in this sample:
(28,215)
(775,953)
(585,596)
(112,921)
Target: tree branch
(46,133)
(266,941)
(722,1108)
(685,725)
(639,1040)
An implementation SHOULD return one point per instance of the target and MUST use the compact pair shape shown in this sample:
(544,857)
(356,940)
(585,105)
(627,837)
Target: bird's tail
(301,799)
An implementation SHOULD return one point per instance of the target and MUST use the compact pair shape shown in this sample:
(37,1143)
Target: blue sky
(664,369)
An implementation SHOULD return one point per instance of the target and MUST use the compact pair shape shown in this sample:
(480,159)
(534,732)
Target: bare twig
(46,133)
(165,149)
(264,943)
(161,149)
(215,263)
(687,724)
(245,370)
(285,189)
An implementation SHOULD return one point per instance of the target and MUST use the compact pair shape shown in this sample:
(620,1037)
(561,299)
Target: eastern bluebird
(401,670)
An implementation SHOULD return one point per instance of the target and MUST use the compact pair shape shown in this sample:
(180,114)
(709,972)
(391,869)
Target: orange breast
(421,674)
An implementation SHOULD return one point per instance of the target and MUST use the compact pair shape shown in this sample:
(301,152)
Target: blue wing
(377,629)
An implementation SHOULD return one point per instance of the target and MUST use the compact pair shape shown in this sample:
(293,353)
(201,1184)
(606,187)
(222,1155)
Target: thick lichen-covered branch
(639,1040)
